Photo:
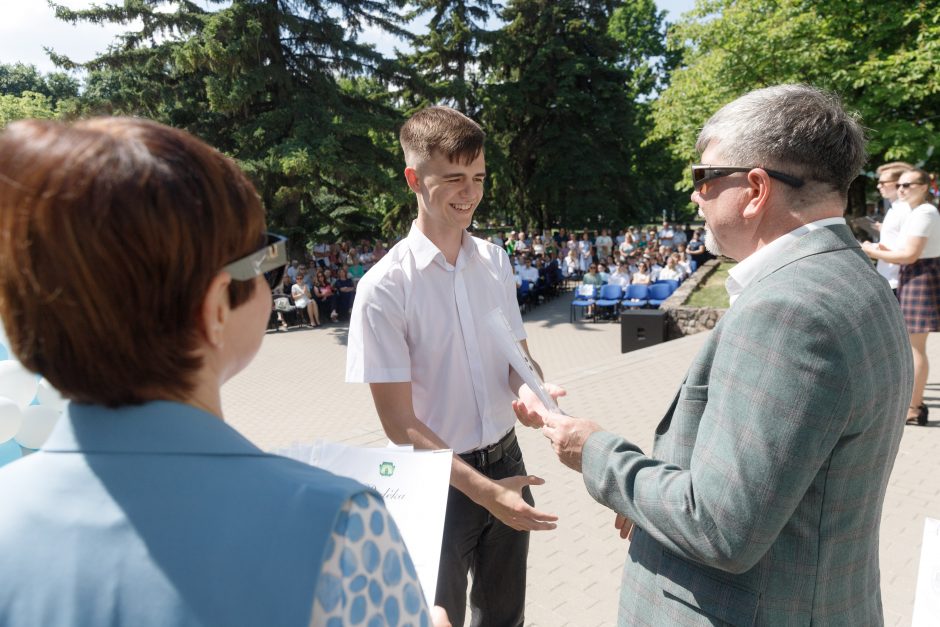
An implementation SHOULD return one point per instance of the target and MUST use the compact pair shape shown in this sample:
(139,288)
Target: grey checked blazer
(761,502)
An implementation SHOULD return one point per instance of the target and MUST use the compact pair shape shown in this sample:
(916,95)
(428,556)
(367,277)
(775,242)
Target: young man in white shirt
(417,335)
(897,214)
(526,272)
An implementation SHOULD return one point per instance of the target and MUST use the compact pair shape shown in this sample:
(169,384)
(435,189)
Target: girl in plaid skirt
(919,280)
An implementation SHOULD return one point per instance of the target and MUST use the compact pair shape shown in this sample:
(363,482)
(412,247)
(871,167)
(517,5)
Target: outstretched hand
(506,503)
(529,409)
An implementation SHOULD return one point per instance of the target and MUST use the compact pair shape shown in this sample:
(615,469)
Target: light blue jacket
(161,514)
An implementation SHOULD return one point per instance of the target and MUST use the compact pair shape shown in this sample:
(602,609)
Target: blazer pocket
(694,393)
(689,401)
(707,595)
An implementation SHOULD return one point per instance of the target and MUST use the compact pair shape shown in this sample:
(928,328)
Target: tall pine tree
(284,86)
(562,116)
(446,53)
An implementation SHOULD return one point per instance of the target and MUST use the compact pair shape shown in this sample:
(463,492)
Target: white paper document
(413,483)
(512,350)
(927,597)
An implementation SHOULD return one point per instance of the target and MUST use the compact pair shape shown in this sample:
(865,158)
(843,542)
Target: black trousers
(493,553)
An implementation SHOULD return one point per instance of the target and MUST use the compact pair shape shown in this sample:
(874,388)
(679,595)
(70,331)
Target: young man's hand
(504,500)
(529,409)
(439,617)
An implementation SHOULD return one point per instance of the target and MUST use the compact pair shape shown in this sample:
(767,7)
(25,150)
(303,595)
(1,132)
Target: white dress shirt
(418,318)
(529,274)
(891,239)
(740,276)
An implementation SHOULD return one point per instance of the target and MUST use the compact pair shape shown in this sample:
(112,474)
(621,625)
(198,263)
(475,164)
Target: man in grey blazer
(761,501)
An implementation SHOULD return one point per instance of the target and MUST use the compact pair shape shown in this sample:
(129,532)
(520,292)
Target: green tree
(28,104)
(561,107)
(446,54)
(882,58)
(27,93)
(283,86)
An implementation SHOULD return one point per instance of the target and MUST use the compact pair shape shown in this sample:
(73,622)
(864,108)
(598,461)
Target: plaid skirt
(919,292)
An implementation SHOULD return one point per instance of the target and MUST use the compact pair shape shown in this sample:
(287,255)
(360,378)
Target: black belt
(483,457)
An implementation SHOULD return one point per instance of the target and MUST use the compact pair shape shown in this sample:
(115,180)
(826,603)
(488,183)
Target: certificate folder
(414,484)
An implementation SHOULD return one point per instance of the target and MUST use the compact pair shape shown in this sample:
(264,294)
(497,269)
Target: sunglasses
(701,174)
(270,260)
(908,185)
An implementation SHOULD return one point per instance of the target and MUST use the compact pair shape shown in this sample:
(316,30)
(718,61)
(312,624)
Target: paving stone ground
(294,392)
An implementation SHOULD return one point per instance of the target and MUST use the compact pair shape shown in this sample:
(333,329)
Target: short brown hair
(893,169)
(922,177)
(441,129)
(111,230)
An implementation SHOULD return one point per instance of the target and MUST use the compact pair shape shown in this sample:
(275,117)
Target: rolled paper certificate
(512,350)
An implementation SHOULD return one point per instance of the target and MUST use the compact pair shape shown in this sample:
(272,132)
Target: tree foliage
(283,86)
(882,58)
(564,82)
(446,54)
(27,93)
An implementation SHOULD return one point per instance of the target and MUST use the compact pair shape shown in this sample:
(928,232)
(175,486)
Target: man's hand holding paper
(567,434)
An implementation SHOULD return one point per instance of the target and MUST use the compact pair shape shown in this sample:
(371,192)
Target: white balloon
(17,383)
(38,422)
(49,396)
(10,419)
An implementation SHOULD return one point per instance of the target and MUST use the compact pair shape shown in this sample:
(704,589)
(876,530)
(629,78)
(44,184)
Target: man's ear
(759,190)
(215,310)
(411,176)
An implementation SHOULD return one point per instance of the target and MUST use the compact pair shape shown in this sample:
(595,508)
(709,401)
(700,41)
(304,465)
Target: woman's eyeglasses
(270,260)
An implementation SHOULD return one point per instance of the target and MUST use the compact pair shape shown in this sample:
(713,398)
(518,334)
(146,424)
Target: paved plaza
(294,392)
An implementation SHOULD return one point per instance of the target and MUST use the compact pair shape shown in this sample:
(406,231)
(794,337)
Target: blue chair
(609,296)
(671,282)
(584,297)
(635,296)
(660,292)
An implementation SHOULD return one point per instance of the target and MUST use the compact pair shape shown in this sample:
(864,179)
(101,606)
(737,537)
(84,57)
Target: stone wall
(682,320)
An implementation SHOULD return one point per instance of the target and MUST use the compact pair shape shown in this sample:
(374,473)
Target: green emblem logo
(386,469)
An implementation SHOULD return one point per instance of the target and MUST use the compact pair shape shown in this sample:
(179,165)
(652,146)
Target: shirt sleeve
(919,223)
(368,577)
(377,349)
(510,305)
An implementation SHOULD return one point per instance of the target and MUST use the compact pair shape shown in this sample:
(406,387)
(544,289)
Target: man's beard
(711,244)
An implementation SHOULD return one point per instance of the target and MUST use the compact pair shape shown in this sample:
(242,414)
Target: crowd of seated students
(633,252)
(322,286)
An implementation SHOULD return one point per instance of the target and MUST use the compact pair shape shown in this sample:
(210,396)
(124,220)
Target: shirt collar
(156,427)
(740,276)
(425,251)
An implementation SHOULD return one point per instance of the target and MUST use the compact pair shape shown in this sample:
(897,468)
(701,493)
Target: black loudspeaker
(640,328)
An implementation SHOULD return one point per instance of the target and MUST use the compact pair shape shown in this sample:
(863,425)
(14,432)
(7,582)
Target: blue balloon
(9,452)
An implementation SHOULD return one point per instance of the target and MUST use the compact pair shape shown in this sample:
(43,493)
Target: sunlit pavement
(294,391)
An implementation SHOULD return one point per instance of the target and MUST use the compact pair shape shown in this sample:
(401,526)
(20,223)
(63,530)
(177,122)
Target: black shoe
(920,419)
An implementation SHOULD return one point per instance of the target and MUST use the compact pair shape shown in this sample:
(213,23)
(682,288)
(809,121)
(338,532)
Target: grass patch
(712,292)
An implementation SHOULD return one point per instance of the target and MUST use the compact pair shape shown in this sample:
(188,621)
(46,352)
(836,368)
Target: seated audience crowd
(323,285)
